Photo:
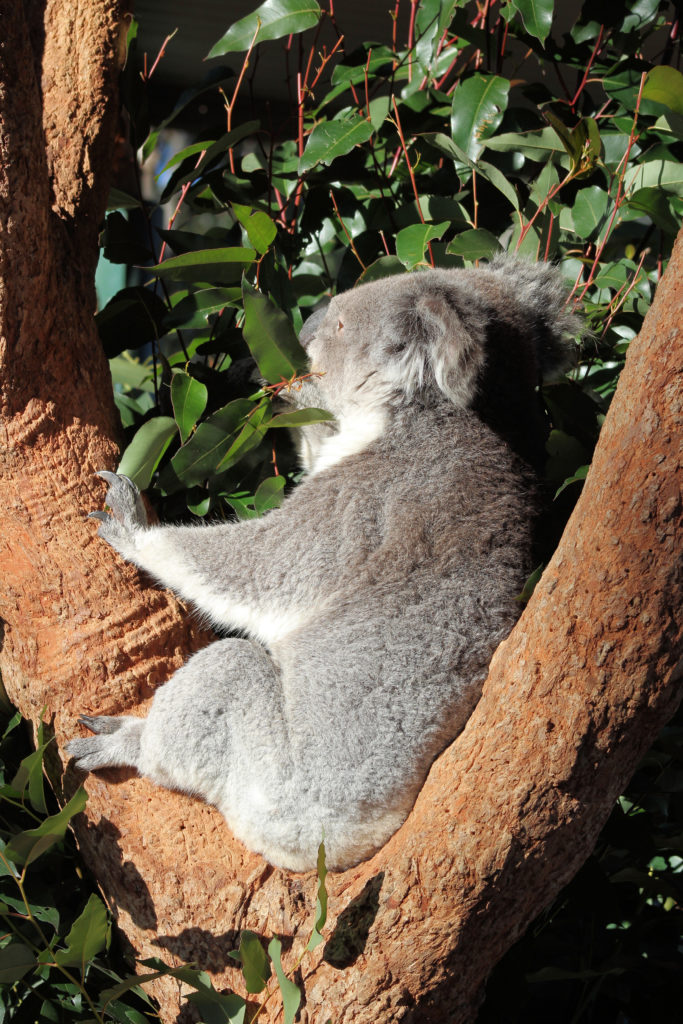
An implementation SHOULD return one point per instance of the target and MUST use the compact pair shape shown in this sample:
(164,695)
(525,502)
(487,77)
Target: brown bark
(573,698)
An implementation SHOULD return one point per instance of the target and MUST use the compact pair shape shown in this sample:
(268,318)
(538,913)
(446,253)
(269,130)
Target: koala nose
(310,328)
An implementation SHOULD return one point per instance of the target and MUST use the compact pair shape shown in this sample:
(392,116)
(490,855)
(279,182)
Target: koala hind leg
(116,743)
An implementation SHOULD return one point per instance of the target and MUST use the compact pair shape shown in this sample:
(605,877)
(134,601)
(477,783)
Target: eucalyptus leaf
(330,139)
(217,1008)
(132,318)
(255,965)
(291,996)
(269,494)
(412,242)
(211,443)
(214,265)
(272,20)
(590,210)
(475,244)
(261,230)
(321,902)
(479,103)
(25,847)
(537,16)
(271,338)
(89,935)
(145,451)
(300,418)
(16,960)
(189,397)
(664,84)
(194,309)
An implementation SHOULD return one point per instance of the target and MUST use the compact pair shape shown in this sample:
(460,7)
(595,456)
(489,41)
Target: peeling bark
(573,698)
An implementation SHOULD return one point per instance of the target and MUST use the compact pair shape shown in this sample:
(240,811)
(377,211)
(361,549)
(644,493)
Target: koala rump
(370,603)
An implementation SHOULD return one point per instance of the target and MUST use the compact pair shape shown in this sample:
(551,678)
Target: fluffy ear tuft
(437,341)
(457,352)
(533,299)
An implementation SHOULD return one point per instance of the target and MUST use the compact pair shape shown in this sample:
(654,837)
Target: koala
(369,604)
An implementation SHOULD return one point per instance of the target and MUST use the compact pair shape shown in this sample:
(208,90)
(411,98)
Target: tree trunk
(573,698)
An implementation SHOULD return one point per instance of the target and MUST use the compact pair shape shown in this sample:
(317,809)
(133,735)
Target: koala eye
(340,325)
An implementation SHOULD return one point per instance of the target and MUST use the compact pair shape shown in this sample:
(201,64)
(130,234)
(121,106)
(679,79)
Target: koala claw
(100,723)
(126,511)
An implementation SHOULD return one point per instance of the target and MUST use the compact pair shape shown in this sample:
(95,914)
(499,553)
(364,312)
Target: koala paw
(117,743)
(126,512)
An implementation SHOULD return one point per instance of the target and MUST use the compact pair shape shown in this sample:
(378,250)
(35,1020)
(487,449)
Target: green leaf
(119,200)
(566,454)
(433,17)
(120,242)
(259,227)
(193,310)
(215,1008)
(582,143)
(269,494)
(530,585)
(144,453)
(529,143)
(214,153)
(385,266)
(664,174)
(88,936)
(478,107)
(189,398)
(590,210)
(411,242)
(16,960)
(214,265)
(271,338)
(299,418)
(330,139)
(656,205)
(579,475)
(664,84)
(291,996)
(25,847)
(134,982)
(48,914)
(30,774)
(255,964)
(321,902)
(273,20)
(475,244)
(486,170)
(212,443)
(132,318)
(536,15)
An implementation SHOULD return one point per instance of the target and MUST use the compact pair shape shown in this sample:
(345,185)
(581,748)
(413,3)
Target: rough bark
(573,698)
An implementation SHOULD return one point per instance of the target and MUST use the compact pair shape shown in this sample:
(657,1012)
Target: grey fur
(373,599)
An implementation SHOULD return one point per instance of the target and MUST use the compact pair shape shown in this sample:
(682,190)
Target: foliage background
(470,129)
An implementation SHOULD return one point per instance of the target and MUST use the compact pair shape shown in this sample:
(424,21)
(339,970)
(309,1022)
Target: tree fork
(573,699)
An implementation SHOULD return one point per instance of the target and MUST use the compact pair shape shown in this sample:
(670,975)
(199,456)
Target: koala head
(478,339)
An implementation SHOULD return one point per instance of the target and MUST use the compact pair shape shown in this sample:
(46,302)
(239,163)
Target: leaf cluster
(483,130)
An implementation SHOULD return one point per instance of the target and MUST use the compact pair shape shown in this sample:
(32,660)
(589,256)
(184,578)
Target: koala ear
(441,340)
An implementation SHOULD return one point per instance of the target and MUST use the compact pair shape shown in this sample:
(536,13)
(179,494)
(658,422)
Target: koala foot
(116,743)
(126,512)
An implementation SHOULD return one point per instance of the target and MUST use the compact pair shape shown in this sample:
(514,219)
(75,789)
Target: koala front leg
(126,516)
(224,569)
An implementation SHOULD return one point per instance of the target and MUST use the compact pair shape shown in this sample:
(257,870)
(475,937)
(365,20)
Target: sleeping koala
(373,599)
